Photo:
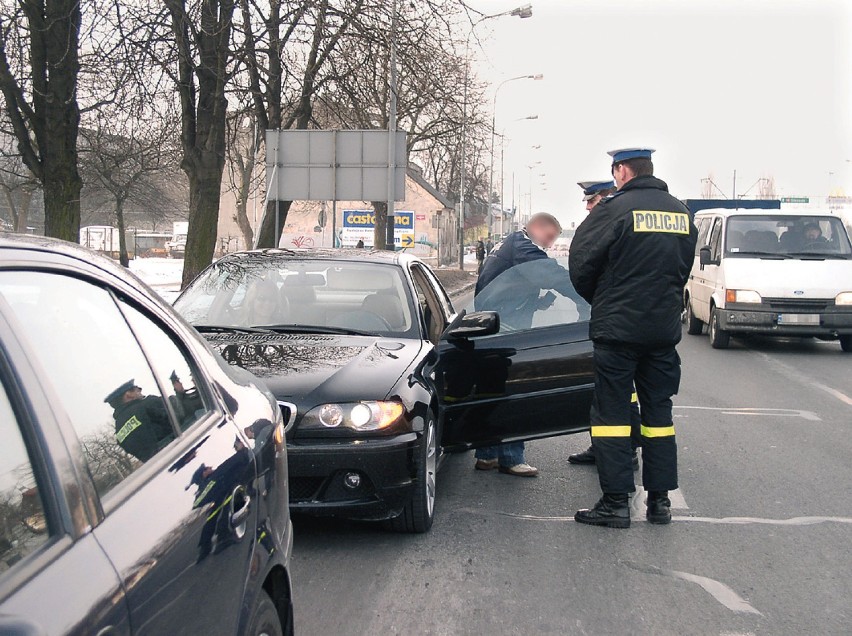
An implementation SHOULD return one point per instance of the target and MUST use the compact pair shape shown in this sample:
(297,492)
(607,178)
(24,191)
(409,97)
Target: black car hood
(313,369)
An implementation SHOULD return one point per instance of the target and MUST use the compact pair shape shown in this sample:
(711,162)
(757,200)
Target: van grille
(797,305)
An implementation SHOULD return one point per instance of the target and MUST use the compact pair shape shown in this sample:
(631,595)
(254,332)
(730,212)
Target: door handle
(239,515)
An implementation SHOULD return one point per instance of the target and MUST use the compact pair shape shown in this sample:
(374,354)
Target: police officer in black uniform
(142,425)
(593,193)
(630,259)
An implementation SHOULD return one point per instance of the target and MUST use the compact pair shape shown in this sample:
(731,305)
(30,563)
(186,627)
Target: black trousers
(656,373)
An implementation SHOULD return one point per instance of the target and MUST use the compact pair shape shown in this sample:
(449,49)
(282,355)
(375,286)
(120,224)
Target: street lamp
(524,11)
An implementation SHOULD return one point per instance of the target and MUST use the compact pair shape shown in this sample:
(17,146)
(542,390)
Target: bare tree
(39,67)
(125,147)
(243,145)
(19,186)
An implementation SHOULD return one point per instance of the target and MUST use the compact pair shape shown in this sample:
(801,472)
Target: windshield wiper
(315,329)
(819,255)
(230,329)
(775,255)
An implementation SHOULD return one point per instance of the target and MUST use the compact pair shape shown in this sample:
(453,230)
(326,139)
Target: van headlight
(843,298)
(742,296)
(358,416)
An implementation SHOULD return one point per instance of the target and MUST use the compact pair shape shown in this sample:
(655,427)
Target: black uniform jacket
(142,427)
(630,258)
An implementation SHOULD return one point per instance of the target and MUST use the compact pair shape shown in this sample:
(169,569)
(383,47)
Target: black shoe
(659,508)
(635,461)
(612,511)
(586,457)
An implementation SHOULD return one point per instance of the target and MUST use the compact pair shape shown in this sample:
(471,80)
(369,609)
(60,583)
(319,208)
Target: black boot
(659,507)
(612,511)
(586,457)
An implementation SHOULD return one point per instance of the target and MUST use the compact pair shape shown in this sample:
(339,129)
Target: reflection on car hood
(312,369)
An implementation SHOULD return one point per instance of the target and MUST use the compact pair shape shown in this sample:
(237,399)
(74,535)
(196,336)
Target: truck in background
(100,238)
(177,246)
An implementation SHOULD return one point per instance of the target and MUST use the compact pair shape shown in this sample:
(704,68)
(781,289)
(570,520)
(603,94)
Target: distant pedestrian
(630,259)
(360,243)
(489,245)
(480,255)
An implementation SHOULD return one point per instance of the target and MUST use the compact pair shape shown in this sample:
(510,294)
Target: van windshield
(806,236)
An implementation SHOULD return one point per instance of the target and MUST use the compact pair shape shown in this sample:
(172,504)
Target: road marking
(750,411)
(793,374)
(742,521)
(718,590)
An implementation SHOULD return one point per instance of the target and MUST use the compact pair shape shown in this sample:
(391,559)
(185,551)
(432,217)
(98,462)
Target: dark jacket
(142,427)
(516,295)
(630,259)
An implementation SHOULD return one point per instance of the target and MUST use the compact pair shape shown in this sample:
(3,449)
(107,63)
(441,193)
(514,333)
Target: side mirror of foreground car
(475,324)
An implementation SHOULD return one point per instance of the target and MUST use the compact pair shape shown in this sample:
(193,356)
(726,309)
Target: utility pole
(389,230)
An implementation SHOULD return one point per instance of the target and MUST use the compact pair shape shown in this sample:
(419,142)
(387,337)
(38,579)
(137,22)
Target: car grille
(797,305)
(304,488)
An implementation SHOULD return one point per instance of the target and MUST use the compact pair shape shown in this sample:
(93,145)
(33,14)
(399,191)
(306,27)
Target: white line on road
(742,521)
(746,410)
(718,590)
(794,374)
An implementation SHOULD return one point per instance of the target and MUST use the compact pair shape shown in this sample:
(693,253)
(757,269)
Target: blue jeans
(508,455)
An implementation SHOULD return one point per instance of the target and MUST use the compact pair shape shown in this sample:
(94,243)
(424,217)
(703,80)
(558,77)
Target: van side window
(703,230)
(716,239)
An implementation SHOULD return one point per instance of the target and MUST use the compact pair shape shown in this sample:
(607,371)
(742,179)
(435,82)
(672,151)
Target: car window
(23,523)
(172,367)
(429,305)
(715,239)
(97,370)
(786,234)
(703,230)
(258,291)
(532,295)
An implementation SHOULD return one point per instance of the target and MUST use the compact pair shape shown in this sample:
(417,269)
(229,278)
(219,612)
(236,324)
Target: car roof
(331,254)
(763,212)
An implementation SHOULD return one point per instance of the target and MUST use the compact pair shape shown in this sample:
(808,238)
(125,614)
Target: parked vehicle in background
(100,238)
(151,244)
(177,245)
(772,273)
(143,481)
(381,375)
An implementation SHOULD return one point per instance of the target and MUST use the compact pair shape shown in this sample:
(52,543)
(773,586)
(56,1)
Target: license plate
(798,319)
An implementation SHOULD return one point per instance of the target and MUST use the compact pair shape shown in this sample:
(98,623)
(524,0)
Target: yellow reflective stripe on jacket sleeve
(611,431)
(657,431)
(634,398)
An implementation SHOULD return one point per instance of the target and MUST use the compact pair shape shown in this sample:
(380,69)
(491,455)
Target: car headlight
(358,416)
(742,296)
(843,298)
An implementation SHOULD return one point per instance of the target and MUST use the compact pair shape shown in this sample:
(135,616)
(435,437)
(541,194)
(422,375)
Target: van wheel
(846,343)
(694,327)
(419,512)
(719,338)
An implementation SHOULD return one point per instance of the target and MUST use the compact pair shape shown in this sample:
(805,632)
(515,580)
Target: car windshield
(258,293)
(805,236)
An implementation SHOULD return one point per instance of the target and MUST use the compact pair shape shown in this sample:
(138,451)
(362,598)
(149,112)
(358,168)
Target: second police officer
(630,259)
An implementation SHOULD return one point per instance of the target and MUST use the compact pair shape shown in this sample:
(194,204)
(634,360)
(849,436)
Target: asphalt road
(759,544)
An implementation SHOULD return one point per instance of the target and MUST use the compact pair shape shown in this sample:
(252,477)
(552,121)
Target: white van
(770,272)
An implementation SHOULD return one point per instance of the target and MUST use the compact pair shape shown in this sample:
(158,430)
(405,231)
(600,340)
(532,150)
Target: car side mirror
(705,256)
(474,325)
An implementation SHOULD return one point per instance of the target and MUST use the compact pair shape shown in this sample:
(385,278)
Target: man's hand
(546,301)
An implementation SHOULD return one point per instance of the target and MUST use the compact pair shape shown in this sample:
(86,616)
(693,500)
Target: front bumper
(317,469)
(829,321)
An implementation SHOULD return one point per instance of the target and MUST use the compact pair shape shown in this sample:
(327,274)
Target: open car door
(532,377)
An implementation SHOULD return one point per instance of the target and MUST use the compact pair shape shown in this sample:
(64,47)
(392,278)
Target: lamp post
(536,77)
(524,11)
(531,166)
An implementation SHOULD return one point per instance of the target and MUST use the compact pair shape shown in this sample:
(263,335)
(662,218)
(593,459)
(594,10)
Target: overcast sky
(757,86)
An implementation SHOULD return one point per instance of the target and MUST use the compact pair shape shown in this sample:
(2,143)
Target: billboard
(359,225)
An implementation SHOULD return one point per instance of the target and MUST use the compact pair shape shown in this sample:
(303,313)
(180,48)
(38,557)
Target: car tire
(694,326)
(719,338)
(846,343)
(419,511)
(264,619)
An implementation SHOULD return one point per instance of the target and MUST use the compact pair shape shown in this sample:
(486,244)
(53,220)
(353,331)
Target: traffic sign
(406,240)
(795,200)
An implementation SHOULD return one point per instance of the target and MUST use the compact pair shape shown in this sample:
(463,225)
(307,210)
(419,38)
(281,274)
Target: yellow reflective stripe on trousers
(611,431)
(635,397)
(657,431)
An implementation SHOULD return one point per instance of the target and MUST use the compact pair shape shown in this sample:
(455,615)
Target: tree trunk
(269,235)
(204,192)
(23,211)
(122,239)
(62,186)
(380,209)
(241,217)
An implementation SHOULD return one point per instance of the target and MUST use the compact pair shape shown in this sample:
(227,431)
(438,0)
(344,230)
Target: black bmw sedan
(143,481)
(377,374)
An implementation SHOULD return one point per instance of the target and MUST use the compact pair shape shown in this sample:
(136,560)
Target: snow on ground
(163,274)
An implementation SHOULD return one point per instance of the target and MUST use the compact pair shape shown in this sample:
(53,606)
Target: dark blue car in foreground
(143,481)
